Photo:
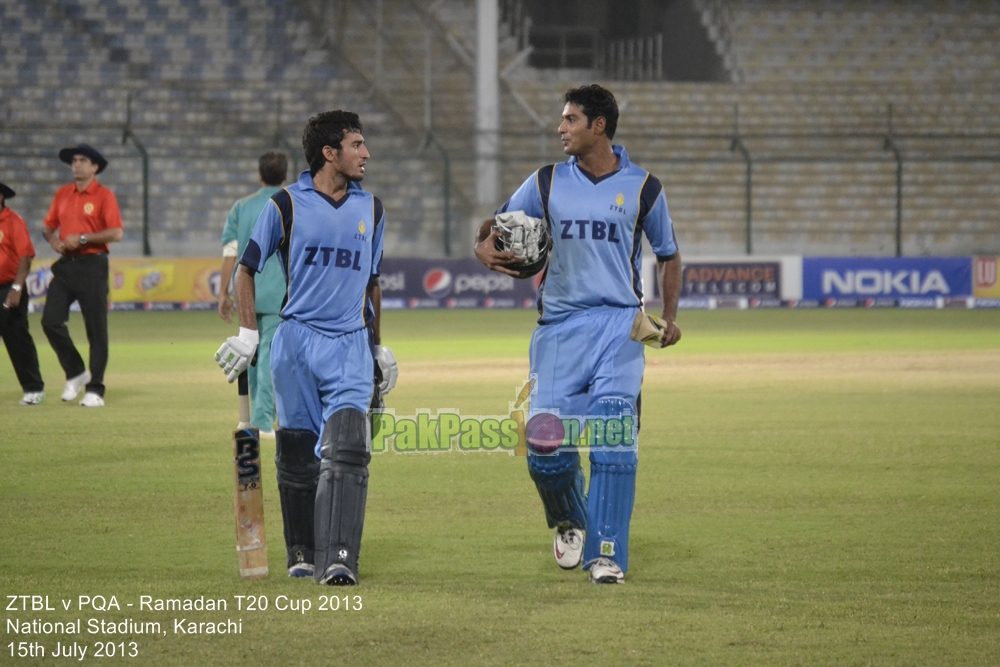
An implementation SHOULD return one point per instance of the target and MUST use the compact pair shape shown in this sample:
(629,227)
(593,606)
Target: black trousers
(20,346)
(82,278)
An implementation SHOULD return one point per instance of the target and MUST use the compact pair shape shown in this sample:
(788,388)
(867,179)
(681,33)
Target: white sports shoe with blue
(567,547)
(606,571)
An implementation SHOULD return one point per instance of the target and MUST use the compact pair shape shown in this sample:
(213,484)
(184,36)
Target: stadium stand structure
(823,181)
(216,82)
(813,83)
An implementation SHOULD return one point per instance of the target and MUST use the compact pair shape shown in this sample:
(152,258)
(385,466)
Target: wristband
(15,288)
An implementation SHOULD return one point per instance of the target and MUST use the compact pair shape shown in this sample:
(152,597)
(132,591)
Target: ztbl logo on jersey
(437,283)
(361,226)
(618,206)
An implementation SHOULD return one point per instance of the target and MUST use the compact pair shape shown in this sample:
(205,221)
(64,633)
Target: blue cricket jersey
(596,226)
(330,251)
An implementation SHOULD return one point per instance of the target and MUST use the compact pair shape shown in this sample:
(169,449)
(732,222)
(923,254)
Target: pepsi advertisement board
(452,283)
(910,281)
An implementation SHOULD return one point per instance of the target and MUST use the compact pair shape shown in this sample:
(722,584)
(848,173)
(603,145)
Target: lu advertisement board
(985,283)
(179,281)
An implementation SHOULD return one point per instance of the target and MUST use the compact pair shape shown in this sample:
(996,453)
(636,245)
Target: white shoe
(567,546)
(92,400)
(606,571)
(74,385)
(32,397)
(266,435)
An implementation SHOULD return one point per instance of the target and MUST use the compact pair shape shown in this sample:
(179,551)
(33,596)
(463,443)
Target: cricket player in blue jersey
(269,285)
(596,205)
(327,232)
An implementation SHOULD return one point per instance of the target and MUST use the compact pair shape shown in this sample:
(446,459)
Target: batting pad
(611,495)
(342,490)
(609,508)
(560,484)
(298,475)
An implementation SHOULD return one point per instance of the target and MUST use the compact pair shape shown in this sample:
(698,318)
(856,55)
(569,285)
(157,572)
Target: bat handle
(243,386)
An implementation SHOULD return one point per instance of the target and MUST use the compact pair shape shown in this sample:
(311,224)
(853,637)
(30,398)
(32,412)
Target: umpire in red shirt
(16,253)
(82,221)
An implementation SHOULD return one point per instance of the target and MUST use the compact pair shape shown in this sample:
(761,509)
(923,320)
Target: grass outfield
(815,488)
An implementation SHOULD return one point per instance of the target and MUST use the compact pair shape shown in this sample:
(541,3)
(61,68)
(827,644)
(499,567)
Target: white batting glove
(235,354)
(390,371)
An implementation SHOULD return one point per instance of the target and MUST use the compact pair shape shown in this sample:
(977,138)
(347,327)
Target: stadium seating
(866,42)
(214,83)
(208,82)
(817,82)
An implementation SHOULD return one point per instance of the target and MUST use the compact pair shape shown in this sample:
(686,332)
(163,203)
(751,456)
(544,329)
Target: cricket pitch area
(815,488)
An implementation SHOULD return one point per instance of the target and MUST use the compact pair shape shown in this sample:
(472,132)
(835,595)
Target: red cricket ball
(545,433)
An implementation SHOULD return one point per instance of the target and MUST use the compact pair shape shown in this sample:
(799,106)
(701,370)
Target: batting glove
(390,371)
(235,354)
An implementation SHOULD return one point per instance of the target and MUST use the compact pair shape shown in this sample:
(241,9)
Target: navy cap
(66,155)
(5,191)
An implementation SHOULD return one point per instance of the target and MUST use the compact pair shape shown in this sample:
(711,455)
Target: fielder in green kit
(270,286)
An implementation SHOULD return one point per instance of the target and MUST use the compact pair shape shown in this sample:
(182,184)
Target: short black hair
(327,129)
(596,102)
(273,168)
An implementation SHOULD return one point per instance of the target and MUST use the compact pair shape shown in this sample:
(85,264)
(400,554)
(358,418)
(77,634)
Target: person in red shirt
(16,253)
(82,221)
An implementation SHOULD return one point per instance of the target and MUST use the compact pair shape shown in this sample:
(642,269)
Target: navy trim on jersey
(544,180)
(251,256)
(597,179)
(286,208)
(673,238)
(540,294)
(378,215)
(647,198)
(636,274)
(331,201)
(378,211)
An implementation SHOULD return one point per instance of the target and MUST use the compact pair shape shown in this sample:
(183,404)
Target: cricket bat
(647,329)
(251,542)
